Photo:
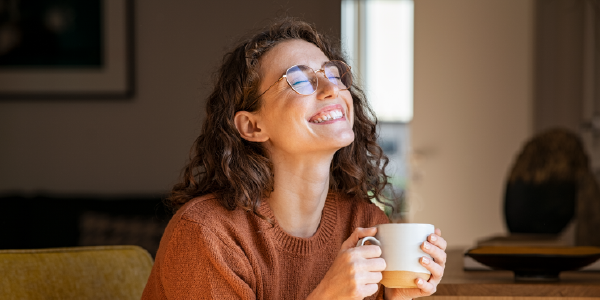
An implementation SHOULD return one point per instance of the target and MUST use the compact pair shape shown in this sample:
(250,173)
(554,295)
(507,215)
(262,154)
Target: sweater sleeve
(201,264)
(380,293)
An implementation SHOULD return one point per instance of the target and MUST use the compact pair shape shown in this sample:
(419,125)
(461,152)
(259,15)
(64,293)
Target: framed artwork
(59,49)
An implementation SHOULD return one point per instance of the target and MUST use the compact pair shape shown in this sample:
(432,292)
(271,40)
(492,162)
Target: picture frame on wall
(66,49)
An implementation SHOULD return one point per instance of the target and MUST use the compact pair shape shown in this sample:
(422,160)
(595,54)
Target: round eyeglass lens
(302,79)
(339,74)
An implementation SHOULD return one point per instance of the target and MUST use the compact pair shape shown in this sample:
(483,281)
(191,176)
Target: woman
(278,190)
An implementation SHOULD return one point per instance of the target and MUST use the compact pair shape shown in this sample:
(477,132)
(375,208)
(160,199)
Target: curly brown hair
(239,171)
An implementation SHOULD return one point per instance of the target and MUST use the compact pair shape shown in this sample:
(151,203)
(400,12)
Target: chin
(346,139)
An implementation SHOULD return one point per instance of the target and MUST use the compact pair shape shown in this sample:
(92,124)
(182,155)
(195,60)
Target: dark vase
(544,208)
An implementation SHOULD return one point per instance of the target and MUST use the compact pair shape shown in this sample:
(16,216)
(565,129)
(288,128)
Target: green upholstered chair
(102,272)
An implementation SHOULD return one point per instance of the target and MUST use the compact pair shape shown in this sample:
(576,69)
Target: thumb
(358,234)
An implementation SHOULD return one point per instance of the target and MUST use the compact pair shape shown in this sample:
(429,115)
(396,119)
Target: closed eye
(334,79)
(301,82)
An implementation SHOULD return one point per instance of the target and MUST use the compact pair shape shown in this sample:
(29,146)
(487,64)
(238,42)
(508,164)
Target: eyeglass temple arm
(276,82)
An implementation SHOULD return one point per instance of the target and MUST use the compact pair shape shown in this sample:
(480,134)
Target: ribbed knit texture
(208,252)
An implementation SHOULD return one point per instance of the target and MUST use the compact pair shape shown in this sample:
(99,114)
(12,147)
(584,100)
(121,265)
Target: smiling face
(300,124)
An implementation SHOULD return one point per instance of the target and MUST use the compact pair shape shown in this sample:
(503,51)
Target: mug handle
(362,241)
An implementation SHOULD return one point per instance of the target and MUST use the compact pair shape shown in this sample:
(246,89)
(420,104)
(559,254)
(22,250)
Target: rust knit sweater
(208,252)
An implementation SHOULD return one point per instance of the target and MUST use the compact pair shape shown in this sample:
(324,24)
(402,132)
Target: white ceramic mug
(401,249)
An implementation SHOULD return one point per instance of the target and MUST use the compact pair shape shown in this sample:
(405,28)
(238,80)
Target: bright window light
(377,36)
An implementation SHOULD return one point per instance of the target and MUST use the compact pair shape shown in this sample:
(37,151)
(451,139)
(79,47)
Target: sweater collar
(298,245)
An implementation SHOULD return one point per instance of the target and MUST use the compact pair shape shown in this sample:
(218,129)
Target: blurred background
(478,79)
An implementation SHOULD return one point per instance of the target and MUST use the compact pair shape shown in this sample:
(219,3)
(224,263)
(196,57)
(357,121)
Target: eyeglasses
(304,80)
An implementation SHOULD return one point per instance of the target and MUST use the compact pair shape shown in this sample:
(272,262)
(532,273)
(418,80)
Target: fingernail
(419,281)
(433,238)
(426,245)
(425,260)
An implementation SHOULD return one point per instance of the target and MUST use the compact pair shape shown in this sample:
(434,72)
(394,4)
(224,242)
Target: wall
(138,146)
(473,97)
(559,61)
(473,111)
(567,69)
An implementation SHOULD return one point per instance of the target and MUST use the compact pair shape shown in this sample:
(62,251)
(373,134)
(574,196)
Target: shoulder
(204,218)
(204,210)
(205,215)
(208,213)
(201,250)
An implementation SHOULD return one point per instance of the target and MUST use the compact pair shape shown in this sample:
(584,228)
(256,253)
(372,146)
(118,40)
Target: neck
(300,191)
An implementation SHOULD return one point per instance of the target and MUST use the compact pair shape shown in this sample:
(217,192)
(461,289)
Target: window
(377,37)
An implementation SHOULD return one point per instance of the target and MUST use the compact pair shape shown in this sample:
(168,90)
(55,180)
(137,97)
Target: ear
(247,125)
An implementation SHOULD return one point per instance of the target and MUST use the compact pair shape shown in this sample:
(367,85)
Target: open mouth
(327,116)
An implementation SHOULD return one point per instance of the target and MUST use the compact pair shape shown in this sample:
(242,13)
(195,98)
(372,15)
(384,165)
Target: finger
(369,289)
(367,251)
(358,234)
(373,277)
(438,231)
(362,278)
(436,270)
(438,241)
(436,253)
(426,287)
(373,265)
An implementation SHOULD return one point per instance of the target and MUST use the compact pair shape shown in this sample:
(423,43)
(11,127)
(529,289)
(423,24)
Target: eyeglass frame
(290,85)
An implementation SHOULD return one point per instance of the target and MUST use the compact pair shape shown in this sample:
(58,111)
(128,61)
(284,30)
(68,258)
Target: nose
(326,88)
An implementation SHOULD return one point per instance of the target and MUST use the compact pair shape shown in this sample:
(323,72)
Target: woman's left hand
(436,247)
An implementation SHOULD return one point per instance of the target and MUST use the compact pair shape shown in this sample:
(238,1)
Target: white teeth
(332,115)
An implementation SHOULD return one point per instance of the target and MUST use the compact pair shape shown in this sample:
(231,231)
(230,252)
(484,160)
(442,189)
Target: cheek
(352,116)
(350,104)
(286,118)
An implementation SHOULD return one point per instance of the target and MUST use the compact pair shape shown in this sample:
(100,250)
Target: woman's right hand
(355,272)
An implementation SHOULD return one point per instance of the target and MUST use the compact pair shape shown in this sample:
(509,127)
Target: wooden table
(458,284)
